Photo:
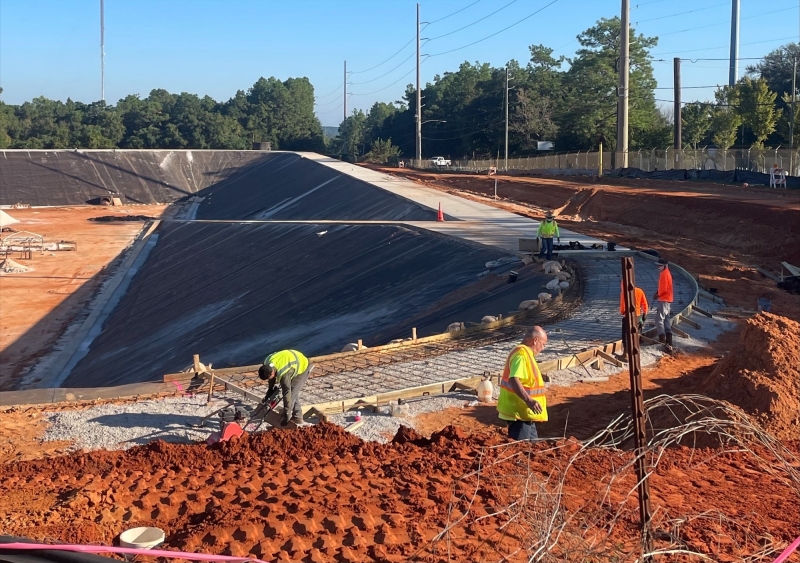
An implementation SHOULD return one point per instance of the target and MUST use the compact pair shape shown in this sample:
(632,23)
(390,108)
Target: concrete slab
(477,221)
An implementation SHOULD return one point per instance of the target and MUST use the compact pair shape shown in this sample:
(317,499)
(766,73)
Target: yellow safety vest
(286,360)
(509,405)
(547,230)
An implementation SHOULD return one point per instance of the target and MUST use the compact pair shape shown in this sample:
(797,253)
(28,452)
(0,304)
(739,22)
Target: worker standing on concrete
(640,303)
(547,229)
(289,369)
(522,402)
(663,298)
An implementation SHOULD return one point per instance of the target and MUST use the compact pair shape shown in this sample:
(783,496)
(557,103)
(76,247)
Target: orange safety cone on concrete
(440,215)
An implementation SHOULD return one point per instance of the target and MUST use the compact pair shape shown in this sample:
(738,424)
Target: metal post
(622,90)
(419,100)
(734,67)
(505,157)
(102,51)
(600,161)
(637,402)
(495,188)
(678,120)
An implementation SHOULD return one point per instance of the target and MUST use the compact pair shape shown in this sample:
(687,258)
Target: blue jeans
(522,430)
(547,246)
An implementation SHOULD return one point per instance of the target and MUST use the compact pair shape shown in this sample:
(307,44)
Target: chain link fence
(753,160)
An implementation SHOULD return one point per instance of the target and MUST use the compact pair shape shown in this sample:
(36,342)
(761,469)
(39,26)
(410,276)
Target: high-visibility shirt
(664,292)
(548,229)
(639,299)
(285,361)
(522,365)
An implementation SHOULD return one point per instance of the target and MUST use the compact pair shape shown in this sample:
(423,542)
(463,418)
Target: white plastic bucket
(142,538)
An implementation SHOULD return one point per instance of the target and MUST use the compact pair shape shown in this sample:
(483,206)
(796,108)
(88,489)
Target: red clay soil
(719,232)
(762,375)
(320,494)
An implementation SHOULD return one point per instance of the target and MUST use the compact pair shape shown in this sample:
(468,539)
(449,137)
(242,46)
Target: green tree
(351,133)
(725,120)
(696,121)
(756,105)
(785,119)
(382,152)
(589,110)
(776,68)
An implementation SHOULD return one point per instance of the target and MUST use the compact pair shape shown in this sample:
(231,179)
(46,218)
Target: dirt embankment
(762,375)
(320,494)
(719,232)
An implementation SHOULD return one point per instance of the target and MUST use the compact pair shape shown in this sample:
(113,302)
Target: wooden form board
(501,323)
(273,418)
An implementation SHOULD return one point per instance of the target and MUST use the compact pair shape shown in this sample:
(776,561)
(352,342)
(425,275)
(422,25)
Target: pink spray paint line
(788,551)
(127,551)
(179,386)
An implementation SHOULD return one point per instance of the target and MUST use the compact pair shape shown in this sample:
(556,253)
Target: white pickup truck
(440,161)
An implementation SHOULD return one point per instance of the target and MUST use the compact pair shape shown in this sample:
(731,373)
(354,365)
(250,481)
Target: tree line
(271,110)
(571,101)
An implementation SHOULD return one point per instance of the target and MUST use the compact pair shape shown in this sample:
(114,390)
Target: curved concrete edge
(61,363)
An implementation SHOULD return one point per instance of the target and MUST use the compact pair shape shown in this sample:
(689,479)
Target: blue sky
(51,47)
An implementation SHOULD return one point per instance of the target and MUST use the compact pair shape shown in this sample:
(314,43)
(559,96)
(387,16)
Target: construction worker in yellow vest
(289,369)
(522,402)
(547,230)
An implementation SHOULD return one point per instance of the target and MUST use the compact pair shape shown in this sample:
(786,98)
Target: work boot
(298,420)
(662,338)
(668,343)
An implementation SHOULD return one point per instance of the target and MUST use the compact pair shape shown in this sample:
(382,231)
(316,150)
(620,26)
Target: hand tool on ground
(266,406)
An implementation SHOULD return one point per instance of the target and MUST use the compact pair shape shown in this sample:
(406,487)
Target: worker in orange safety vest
(641,306)
(522,401)
(663,298)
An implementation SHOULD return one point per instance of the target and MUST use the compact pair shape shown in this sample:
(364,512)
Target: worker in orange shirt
(640,302)
(663,298)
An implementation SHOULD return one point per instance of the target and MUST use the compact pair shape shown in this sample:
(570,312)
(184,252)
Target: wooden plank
(794,270)
(609,358)
(702,312)
(679,332)
(648,340)
(355,426)
(688,321)
(593,380)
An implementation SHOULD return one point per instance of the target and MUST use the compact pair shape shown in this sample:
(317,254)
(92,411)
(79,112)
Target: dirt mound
(762,374)
(9,266)
(319,494)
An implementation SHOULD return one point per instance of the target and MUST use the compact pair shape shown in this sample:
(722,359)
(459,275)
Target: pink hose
(127,550)
(788,551)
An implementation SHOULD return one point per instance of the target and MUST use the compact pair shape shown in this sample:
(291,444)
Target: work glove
(559,240)
(641,324)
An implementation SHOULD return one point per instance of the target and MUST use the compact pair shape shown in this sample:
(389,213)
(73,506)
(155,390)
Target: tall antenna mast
(102,52)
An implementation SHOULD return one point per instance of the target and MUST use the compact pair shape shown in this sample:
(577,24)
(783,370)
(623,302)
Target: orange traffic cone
(440,215)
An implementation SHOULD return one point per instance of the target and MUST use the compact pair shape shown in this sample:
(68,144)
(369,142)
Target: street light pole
(419,100)
(505,157)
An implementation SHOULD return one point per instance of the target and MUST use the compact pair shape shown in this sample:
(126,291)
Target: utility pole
(102,52)
(622,90)
(734,70)
(505,157)
(345,90)
(677,111)
(419,100)
(791,123)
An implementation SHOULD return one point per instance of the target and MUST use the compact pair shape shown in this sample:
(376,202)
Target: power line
(683,13)
(724,23)
(454,13)
(390,85)
(385,73)
(497,32)
(387,60)
(723,46)
(473,23)
(339,87)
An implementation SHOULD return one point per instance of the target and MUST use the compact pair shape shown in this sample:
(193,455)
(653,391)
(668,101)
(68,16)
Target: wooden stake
(210,387)
(360,344)
(414,334)
(196,360)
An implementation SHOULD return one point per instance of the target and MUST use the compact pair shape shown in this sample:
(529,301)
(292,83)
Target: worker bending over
(663,299)
(289,369)
(640,304)
(547,229)
(522,402)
